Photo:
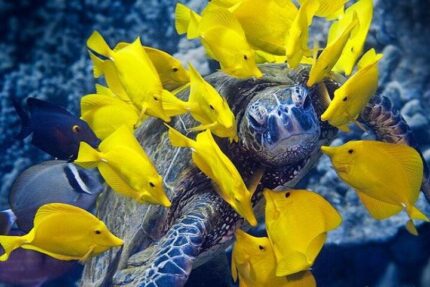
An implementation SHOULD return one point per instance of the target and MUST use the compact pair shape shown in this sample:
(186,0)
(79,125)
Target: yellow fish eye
(261,247)
(175,69)
(212,107)
(155,98)
(98,232)
(245,57)
(151,184)
(76,129)
(287,194)
(351,151)
(345,99)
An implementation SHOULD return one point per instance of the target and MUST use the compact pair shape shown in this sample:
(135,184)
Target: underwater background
(43,54)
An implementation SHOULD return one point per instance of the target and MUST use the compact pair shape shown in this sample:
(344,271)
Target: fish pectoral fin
(378,209)
(87,255)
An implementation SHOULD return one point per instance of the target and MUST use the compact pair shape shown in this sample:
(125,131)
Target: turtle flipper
(169,262)
(389,126)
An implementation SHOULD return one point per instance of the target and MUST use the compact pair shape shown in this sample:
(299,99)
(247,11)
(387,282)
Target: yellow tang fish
(172,74)
(137,74)
(64,232)
(329,9)
(209,108)
(266,23)
(253,263)
(354,46)
(125,167)
(209,158)
(297,223)
(107,69)
(106,113)
(351,98)
(297,38)
(223,38)
(386,176)
(330,55)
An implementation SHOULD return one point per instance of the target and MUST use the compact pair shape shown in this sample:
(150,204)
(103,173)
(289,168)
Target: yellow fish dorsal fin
(369,58)
(123,136)
(98,65)
(120,46)
(196,84)
(96,43)
(50,209)
(214,16)
(102,90)
(378,209)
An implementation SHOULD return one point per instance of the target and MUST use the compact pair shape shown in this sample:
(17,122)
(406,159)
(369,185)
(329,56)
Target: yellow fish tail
(98,70)
(186,21)
(172,105)
(179,140)
(9,244)
(96,43)
(88,157)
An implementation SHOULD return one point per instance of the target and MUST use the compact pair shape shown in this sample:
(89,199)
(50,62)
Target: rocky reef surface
(43,54)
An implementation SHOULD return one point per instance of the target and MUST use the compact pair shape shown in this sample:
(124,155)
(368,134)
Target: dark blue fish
(54,129)
(51,181)
(31,268)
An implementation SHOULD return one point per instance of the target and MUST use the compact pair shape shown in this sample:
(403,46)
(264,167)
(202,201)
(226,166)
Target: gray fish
(31,268)
(51,181)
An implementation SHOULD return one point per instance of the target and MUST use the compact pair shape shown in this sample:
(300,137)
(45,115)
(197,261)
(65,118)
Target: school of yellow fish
(142,82)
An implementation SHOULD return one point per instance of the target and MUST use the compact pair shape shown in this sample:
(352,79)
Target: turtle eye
(76,129)
(98,232)
(175,69)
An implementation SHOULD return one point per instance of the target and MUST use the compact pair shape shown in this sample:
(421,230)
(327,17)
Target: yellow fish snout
(330,151)
(116,242)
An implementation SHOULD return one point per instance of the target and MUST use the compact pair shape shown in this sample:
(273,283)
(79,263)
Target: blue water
(43,54)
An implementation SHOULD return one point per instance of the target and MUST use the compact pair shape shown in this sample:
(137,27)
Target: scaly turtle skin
(279,131)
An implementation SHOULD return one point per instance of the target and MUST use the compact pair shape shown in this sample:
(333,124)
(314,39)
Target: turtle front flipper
(169,262)
(389,126)
(202,223)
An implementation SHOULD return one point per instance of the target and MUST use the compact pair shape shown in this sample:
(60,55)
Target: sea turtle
(280,133)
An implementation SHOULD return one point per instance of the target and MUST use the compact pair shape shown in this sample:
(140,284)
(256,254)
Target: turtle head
(280,125)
